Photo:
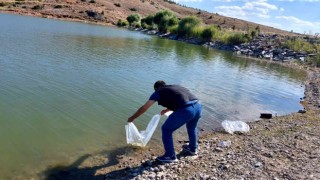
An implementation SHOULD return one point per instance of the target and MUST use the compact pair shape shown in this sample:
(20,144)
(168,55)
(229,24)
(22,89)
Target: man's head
(157,85)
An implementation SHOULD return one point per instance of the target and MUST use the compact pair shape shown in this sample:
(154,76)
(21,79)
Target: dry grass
(113,10)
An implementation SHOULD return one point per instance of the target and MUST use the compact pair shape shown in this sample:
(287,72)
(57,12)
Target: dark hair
(159,84)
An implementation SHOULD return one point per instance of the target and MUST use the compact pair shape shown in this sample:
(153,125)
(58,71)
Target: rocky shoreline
(286,147)
(282,148)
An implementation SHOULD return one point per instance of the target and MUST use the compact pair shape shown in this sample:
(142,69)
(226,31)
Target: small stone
(224,144)
(258,164)
(302,111)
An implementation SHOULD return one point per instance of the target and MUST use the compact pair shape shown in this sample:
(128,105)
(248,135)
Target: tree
(133,18)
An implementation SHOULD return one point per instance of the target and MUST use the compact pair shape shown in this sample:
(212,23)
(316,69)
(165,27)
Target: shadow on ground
(74,171)
(132,172)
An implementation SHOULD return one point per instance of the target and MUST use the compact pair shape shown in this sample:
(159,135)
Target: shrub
(253,34)
(300,45)
(171,2)
(144,25)
(147,20)
(154,27)
(133,9)
(163,26)
(122,23)
(58,6)
(2,4)
(37,7)
(92,1)
(133,18)
(173,21)
(258,29)
(136,24)
(237,38)
(17,2)
(196,32)
(208,33)
(159,16)
(117,4)
(174,29)
(186,25)
(165,19)
(222,37)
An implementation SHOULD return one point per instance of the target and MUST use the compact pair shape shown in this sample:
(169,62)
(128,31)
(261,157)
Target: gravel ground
(281,148)
(284,147)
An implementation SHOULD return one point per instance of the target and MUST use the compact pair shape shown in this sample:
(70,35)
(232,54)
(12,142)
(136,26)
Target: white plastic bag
(233,126)
(141,138)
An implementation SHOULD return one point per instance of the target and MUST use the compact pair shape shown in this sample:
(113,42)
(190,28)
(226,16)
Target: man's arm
(141,110)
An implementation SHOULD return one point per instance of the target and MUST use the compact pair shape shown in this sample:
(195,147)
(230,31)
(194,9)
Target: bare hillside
(110,11)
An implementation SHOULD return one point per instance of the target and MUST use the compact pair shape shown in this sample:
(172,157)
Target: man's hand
(164,111)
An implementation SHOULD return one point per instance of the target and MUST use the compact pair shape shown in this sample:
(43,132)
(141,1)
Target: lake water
(67,89)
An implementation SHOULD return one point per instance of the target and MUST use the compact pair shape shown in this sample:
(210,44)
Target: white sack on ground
(235,126)
(141,138)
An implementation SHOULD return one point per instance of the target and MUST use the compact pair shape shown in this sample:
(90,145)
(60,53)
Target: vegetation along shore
(285,147)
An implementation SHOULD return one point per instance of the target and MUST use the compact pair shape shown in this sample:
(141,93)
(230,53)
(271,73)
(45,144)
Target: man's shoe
(167,159)
(187,151)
